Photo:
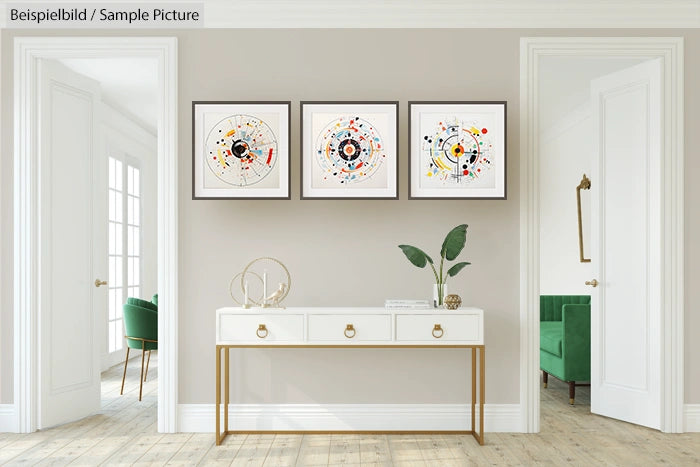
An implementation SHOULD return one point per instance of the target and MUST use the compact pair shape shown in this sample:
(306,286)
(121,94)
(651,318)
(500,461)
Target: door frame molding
(26,267)
(670,50)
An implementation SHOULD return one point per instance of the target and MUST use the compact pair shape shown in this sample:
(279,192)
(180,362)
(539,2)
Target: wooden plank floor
(125,433)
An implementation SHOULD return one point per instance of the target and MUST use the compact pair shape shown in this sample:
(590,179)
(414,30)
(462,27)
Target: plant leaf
(416,255)
(454,242)
(456,268)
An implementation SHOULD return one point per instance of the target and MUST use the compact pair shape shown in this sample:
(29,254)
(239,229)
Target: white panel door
(625,245)
(73,242)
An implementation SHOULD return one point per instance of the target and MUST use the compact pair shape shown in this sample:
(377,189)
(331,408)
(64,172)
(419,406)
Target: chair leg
(124,377)
(143,354)
(572,391)
(545,378)
(148,360)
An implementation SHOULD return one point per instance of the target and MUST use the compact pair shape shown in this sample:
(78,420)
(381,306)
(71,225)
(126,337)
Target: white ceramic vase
(438,297)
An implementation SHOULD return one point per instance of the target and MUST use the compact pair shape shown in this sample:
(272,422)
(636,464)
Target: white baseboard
(8,418)
(691,415)
(339,417)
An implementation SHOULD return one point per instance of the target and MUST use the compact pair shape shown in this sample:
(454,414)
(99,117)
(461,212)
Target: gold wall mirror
(584,185)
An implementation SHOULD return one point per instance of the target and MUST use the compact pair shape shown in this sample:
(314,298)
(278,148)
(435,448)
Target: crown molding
(333,14)
(453,14)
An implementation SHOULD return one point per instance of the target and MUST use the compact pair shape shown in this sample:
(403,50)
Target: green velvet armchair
(565,339)
(141,326)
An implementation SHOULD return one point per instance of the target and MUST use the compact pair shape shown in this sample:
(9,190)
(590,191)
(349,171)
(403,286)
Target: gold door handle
(99,282)
(349,328)
(592,283)
(261,329)
(439,329)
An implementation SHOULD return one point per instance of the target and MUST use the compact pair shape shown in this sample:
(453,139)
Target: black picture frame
(227,193)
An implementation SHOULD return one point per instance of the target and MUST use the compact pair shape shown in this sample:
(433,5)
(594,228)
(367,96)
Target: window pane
(112,249)
(118,272)
(112,204)
(130,273)
(137,211)
(112,175)
(112,337)
(137,241)
(129,210)
(118,207)
(119,240)
(137,181)
(130,179)
(119,331)
(112,304)
(117,303)
(112,280)
(129,240)
(137,272)
(137,292)
(118,174)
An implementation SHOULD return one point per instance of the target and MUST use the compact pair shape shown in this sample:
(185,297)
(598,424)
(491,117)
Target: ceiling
(130,85)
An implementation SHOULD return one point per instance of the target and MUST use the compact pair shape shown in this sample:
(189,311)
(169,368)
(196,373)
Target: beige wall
(344,252)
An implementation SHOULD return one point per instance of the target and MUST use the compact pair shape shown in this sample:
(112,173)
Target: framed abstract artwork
(349,150)
(457,150)
(240,150)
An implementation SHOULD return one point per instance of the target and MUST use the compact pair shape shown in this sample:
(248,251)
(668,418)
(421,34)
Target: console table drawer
(261,328)
(350,328)
(439,328)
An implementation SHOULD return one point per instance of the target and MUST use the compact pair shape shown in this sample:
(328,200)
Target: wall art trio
(349,150)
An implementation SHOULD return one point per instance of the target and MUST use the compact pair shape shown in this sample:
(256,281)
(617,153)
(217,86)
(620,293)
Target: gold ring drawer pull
(438,329)
(262,329)
(348,329)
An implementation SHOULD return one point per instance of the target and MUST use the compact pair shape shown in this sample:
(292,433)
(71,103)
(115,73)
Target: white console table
(349,328)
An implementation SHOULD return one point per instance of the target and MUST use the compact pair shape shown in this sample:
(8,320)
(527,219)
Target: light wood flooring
(125,433)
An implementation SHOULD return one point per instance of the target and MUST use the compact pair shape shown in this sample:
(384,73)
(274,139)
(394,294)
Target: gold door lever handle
(592,283)
(99,282)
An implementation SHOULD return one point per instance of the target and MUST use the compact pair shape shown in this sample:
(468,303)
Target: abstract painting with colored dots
(457,150)
(349,150)
(240,150)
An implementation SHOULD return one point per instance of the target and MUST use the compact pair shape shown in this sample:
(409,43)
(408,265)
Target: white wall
(565,157)
(395,64)
(566,154)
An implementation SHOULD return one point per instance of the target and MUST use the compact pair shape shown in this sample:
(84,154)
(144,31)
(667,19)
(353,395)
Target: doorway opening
(127,114)
(569,96)
(541,257)
(120,98)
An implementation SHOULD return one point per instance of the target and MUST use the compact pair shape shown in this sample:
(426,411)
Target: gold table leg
(218,395)
(226,389)
(482,393)
(473,351)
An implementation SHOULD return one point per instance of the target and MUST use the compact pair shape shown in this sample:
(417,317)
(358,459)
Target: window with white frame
(124,243)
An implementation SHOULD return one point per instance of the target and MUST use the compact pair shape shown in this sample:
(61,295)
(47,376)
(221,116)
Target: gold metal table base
(478,435)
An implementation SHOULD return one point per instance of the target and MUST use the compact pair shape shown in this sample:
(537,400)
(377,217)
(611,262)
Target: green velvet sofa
(565,339)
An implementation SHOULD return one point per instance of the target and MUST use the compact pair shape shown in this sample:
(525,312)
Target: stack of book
(407,304)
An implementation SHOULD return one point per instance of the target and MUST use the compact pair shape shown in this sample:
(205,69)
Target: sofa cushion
(142,303)
(550,337)
(551,305)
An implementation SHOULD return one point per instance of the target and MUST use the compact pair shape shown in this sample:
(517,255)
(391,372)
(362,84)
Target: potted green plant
(451,248)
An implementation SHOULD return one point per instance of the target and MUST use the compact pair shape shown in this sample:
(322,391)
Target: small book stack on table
(407,304)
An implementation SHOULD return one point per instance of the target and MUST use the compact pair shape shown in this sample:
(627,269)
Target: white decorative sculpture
(277,295)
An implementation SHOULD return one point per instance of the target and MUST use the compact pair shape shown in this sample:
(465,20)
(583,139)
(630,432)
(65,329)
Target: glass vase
(439,294)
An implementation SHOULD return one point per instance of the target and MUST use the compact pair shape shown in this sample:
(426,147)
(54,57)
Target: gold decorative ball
(452,301)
